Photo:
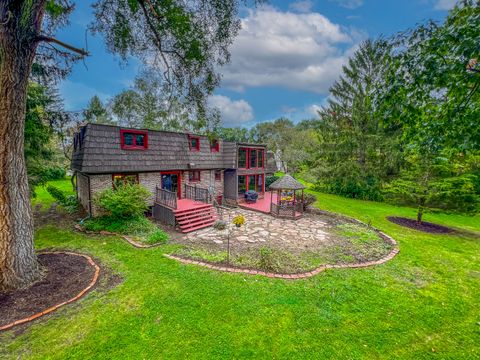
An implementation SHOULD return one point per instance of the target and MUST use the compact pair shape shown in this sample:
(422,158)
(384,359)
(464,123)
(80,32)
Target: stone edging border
(132,242)
(308,274)
(55,307)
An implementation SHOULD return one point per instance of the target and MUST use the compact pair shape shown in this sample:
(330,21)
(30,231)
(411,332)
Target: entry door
(171,181)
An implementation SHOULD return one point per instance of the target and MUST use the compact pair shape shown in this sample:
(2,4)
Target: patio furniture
(251,196)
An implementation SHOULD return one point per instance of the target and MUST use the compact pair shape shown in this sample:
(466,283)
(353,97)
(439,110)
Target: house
(185,173)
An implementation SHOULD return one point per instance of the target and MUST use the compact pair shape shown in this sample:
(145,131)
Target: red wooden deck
(263,205)
(188,204)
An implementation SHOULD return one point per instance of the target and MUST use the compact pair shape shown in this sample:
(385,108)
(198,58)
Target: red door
(172,181)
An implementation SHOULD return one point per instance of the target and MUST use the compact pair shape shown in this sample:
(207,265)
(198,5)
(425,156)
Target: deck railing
(166,198)
(197,193)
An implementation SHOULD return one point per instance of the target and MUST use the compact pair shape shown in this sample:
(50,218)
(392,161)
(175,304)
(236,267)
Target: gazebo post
(271,201)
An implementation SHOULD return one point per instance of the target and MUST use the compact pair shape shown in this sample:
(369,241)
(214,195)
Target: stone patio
(308,233)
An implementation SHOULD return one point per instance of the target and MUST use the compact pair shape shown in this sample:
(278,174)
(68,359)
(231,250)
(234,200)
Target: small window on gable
(214,145)
(194,176)
(133,139)
(194,143)
(218,175)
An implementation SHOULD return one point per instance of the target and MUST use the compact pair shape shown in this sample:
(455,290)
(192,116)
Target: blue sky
(285,58)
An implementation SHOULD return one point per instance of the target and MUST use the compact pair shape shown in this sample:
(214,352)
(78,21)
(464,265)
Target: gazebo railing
(286,208)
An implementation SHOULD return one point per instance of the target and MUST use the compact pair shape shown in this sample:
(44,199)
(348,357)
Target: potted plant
(238,220)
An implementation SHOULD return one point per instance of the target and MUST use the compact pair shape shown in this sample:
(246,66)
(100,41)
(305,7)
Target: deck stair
(195,218)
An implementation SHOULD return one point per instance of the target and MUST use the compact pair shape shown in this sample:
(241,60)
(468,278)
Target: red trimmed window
(123,179)
(194,176)
(260,158)
(215,145)
(134,139)
(249,158)
(218,175)
(242,158)
(194,143)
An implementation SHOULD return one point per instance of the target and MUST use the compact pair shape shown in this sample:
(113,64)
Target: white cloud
(302,6)
(445,4)
(77,95)
(233,112)
(314,109)
(290,50)
(349,4)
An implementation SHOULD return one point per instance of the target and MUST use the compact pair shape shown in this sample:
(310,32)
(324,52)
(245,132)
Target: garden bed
(423,226)
(67,277)
(285,246)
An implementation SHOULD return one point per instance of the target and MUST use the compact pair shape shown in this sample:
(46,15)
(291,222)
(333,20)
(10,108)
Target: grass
(424,304)
(44,199)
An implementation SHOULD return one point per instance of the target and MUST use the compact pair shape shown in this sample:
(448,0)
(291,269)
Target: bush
(54,173)
(69,203)
(270,179)
(127,201)
(220,225)
(158,236)
(308,199)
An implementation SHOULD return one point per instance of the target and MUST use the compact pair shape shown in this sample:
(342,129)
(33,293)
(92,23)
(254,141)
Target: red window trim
(247,182)
(194,179)
(135,132)
(179,184)
(248,158)
(215,148)
(197,148)
(219,173)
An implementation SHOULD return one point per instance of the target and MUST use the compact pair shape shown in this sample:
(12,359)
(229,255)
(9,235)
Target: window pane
(242,158)
(194,143)
(242,186)
(218,175)
(251,183)
(139,140)
(260,183)
(260,158)
(128,139)
(194,175)
(253,158)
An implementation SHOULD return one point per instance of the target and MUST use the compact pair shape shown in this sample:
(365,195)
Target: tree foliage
(357,152)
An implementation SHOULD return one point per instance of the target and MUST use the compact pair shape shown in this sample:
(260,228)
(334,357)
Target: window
(251,183)
(194,143)
(242,158)
(260,157)
(123,179)
(242,184)
(214,146)
(253,158)
(133,139)
(194,176)
(218,175)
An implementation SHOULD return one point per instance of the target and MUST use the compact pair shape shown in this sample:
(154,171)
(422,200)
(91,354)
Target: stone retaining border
(132,242)
(304,275)
(55,307)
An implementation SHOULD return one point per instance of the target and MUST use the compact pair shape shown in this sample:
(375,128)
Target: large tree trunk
(20,24)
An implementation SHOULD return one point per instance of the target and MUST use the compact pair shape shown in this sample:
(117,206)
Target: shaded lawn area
(44,199)
(423,304)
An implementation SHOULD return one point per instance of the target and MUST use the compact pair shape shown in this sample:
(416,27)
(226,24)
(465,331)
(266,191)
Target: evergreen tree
(356,151)
(97,113)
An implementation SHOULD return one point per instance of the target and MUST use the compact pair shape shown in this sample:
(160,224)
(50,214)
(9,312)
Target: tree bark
(20,23)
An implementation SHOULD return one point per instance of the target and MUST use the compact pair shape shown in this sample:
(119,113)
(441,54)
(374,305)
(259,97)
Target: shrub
(238,220)
(308,199)
(54,173)
(268,261)
(220,225)
(157,236)
(270,179)
(126,201)
(69,203)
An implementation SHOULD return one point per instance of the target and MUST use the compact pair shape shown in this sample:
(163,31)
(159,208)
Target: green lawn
(423,304)
(43,197)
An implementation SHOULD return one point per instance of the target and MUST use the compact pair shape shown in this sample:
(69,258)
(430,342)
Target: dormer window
(215,145)
(194,143)
(134,139)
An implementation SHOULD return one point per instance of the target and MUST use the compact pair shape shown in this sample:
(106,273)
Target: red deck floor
(262,205)
(188,204)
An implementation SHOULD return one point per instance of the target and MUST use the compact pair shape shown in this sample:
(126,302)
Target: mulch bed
(66,275)
(424,226)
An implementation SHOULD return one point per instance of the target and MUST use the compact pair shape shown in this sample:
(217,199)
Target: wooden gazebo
(285,202)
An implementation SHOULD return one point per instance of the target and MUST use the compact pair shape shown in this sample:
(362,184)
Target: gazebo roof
(286,182)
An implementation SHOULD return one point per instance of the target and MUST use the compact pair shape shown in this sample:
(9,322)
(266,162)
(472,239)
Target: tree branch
(49,39)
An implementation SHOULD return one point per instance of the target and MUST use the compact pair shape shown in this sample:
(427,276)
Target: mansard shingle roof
(101,152)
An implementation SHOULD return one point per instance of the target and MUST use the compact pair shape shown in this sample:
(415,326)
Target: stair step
(197,217)
(200,207)
(196,222)
(197,227)
(194,213)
